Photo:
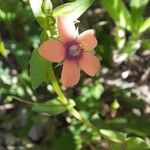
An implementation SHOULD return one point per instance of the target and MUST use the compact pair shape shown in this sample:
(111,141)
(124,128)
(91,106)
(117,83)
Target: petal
(70,73)
(66,29)
(87,40)
(89,64)
(52,50)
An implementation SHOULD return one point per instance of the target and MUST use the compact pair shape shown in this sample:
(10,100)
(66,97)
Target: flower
(73,49)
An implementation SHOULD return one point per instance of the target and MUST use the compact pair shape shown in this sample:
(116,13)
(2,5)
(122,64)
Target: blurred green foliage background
(116,100)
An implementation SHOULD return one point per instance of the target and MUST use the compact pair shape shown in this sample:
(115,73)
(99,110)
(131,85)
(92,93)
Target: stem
(56,86)
(65,101)
(23,101)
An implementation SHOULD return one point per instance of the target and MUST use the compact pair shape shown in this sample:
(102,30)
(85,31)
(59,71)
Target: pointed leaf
(40,8)
(73,9)
(38,69)
(114,135)
(135,143)
(137,9)
(52,107)
(118,11)
(145,26)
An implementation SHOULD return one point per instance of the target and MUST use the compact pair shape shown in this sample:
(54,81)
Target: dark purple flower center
(73,50)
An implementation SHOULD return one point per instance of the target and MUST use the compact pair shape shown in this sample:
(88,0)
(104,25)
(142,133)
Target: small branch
(21,100)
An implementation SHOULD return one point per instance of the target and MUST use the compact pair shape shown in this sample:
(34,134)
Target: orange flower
(73,49)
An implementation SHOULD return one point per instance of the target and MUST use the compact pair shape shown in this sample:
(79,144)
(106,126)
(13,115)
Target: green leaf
(145,26)
(38,6)
(38,69)
(135,143)
(114,135)
(118,11)
(52,107)
(132,125)
(116,146)
(130,48)
(40,9)
(138,3)
(22,57)
(73,9)
(137,9)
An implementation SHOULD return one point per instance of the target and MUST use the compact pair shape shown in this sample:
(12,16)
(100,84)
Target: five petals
(54,51)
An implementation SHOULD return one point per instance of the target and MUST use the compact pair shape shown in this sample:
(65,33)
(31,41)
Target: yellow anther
(83,47)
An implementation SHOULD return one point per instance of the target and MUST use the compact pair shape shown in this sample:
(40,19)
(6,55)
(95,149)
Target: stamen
(83,47)
(73,50)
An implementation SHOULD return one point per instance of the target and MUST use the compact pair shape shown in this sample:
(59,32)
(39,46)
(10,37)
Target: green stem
(21,100)
(56,87)
(65,101)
